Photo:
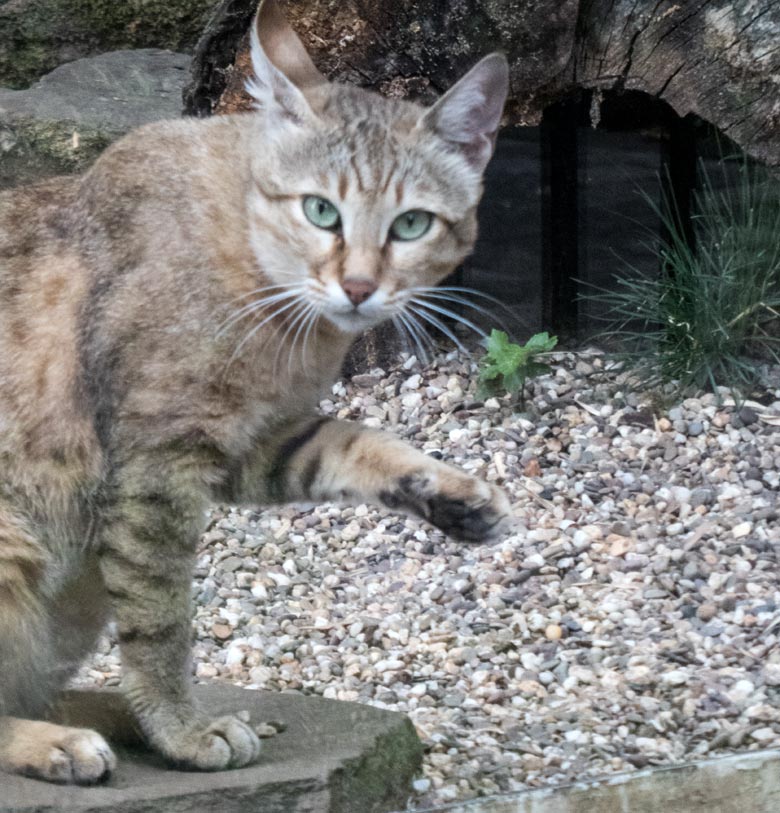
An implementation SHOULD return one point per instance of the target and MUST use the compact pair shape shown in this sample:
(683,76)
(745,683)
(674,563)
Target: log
(714,58)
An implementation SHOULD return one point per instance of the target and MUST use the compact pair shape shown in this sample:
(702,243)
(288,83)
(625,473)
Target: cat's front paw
(464,507)
(227,742)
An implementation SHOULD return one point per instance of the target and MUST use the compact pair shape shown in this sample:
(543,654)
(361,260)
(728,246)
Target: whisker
(505,317)
(411,341)
(451,314)
(403,332)
(251,333)
(267,288)
(251,307)
(307,312)
(294,317)
(437,323)
(460,301)
(316,314)
(456,289)
(425,344)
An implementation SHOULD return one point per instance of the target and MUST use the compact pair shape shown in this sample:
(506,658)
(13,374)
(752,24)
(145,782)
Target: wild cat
(168,324)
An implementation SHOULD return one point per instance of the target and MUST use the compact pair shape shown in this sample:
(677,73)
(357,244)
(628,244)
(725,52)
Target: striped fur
(168,323)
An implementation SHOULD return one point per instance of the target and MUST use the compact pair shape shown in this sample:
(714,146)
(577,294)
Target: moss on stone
(35,149)
(382,775)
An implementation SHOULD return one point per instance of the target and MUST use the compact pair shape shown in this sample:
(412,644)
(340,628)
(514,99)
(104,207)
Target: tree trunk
(715,58)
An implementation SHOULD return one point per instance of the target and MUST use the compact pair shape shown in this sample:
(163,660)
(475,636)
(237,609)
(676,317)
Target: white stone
(742,530)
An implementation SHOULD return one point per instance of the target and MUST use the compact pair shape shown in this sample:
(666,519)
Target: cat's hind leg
(28,674)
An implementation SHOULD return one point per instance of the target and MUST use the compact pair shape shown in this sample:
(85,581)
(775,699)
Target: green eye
(411,225)
(322,213)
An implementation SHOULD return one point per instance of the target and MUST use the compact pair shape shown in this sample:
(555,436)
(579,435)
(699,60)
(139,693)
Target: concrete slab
(333,757)
(741,783)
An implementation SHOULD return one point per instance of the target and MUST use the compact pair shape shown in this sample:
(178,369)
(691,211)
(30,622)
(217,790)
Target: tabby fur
(168,323)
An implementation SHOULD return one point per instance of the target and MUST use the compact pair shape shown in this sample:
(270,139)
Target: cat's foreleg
(146,560)
(323,459)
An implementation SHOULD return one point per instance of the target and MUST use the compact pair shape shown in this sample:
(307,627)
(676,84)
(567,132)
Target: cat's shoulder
(179,140)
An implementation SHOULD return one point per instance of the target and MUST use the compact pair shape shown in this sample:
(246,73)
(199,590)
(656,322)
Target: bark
(715,58)
(718,59)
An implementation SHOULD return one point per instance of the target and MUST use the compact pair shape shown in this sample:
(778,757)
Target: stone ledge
(333,757)
(741,783)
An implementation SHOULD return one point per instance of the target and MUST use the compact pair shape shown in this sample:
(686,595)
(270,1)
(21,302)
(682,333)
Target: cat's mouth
(354,320)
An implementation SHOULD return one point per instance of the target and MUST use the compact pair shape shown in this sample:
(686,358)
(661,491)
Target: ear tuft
(282,68)
(469,114)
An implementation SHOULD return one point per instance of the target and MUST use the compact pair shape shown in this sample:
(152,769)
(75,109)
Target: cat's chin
(352,323)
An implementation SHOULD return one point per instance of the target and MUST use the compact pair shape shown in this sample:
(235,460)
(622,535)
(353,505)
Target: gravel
(630,618)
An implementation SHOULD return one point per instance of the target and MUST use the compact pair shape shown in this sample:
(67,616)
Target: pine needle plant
(711,314)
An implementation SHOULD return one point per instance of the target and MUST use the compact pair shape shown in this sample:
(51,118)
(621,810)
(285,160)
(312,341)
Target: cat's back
(40,269)
(42,280)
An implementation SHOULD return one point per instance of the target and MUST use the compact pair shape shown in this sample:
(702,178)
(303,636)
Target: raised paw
(464,507)
(57,753)
(227,742)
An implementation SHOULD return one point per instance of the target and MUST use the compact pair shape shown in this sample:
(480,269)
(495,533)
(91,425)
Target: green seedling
(506,367)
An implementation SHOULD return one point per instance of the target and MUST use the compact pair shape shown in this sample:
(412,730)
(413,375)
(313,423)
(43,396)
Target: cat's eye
(321,212)
(411,225)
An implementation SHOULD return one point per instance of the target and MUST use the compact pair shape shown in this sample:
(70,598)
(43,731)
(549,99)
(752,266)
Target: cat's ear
(469,113)
(282,69)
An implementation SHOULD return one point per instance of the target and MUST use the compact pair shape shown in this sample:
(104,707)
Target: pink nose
(358,290)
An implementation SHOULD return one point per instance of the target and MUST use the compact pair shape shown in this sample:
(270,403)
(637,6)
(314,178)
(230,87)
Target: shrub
(506,366)
(713,309)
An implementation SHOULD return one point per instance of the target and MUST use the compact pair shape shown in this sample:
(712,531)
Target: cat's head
(359,202)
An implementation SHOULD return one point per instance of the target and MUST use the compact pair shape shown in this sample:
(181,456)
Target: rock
(619,545)
(331,752)
(421,785)
(38,35)
(265,731)
(222,631)
(748,415)
(365,380)
(64,121)
(702,496)
(695,428)
(742,530)
(707,611)
(764,735)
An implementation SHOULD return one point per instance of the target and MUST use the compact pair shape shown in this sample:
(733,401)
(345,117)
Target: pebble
(627,618)
(764,735)
(222,631)
(707,611)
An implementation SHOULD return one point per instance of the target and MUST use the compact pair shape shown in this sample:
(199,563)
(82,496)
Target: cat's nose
(358,290)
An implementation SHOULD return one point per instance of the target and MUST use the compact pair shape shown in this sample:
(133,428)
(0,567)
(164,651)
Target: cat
(169,322)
